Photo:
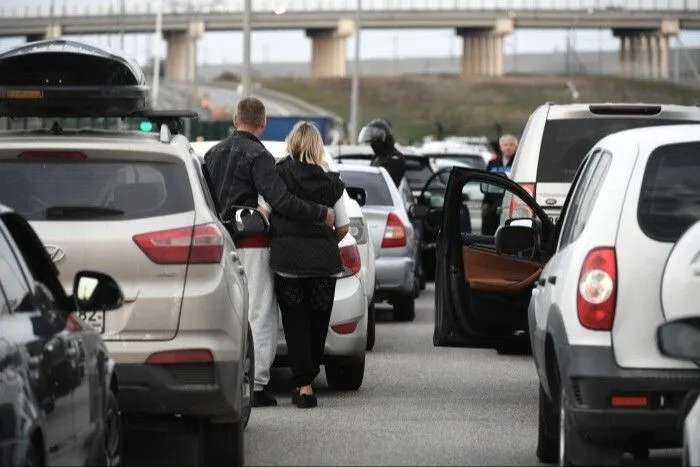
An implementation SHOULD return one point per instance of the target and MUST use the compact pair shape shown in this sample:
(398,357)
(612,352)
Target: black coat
(241,167)
(299,246)
(393,161)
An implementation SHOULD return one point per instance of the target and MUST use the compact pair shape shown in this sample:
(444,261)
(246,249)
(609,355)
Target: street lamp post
(355,89)
(123,19)
(156,57)
(245,75)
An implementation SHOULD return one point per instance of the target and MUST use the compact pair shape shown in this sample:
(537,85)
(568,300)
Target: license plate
(96,319)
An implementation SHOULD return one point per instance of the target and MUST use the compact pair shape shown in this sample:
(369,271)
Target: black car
(57,384)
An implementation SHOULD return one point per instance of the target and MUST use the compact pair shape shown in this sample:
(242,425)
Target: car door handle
(552,279)
(234,256)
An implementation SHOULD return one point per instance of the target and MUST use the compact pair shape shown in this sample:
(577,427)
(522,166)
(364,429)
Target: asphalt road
(418,405)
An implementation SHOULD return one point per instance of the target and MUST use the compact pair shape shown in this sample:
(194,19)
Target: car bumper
(189,389)
(592,378)
(349,305)
(394,274)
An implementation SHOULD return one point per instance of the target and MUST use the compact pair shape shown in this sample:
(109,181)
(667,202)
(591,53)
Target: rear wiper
(80,212)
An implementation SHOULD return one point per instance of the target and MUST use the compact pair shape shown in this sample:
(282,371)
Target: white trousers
(263,311)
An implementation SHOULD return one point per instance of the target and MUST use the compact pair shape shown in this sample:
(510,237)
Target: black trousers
(306,304)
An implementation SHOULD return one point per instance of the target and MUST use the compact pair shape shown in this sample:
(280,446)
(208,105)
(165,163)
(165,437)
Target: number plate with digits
(96,319)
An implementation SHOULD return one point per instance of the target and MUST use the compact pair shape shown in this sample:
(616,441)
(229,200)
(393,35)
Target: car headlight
(357,230)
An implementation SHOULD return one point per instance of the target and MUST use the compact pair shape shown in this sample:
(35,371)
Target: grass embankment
(413,104)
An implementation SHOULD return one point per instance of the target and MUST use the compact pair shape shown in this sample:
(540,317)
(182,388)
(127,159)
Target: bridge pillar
(328,52)
(181,55)
(53,31)
(644,52)
(482,50)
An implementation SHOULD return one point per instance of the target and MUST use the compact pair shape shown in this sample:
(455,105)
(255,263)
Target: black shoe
(307,401)
(263,399)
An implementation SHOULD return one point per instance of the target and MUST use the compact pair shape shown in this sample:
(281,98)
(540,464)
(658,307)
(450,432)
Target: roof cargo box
(63,78)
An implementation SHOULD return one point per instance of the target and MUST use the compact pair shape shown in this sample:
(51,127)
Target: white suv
(588,292)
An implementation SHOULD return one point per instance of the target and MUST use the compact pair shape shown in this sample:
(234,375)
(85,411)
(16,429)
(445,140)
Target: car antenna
(56,128)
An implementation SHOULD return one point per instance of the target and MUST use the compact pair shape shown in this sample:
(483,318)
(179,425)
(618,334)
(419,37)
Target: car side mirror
(517,240)
(417,211)
(96,291)
(358,194)
(491,189)
(242,221)
(680,338)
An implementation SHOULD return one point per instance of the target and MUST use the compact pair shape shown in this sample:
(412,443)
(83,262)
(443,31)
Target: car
(58,391)
(558,136)
(584,297)
(392,235)
(352,322)
(135,204)
(477,156)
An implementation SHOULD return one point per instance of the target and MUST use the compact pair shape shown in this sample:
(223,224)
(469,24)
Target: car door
(481,294)
(38,332)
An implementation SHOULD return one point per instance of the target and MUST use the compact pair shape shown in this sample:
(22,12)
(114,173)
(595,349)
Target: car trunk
(376,217)
(551,197)
(88,209)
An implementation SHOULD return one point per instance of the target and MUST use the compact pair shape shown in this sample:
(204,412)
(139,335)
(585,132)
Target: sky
(293,46)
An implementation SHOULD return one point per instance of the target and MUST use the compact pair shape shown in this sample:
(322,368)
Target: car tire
(345,373)
(111,454)
(371,326)
(404,307)
(416,287)
(548,429)
(221,443)
(248,379)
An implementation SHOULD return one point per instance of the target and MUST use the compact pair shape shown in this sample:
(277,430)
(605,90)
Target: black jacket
(298,246)
(393,161)
(240,167)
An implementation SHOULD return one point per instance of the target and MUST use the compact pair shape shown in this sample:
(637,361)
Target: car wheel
(345,373)
(248,379)
(404,307)
(416,287)
(221,443)
(112,432)
(548,430)
(371,326)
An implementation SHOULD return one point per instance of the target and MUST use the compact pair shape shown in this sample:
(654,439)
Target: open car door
(484,280)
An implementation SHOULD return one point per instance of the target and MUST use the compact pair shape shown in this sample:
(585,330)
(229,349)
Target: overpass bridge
(644,27)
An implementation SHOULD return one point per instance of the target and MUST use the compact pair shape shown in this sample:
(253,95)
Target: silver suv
(558,136)
(136,205)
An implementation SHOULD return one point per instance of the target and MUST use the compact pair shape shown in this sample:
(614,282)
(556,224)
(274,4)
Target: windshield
(373,184)
(473,160)
(94,190)
(566,142)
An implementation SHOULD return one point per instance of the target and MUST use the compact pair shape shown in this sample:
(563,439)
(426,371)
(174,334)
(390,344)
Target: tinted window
(474,160)
(566,142)
(669,201)
(138,189)
(12,280)
(373,183)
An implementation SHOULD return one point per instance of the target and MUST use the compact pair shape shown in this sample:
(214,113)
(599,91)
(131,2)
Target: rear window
(373,183)
(94,190)
(669,202)
(566,142)
(474,160)
(417,172)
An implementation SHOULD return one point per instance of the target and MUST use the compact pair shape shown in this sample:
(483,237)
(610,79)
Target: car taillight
(350,257)
(173,357)
(518,208)
(394,233)
(51,155)
(595,299)
(201,244)
(344,328)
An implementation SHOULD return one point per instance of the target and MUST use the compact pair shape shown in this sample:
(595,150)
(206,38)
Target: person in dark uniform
(377,134)
(490,217)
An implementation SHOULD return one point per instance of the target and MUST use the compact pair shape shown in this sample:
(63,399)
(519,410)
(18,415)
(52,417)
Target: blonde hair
(305,142)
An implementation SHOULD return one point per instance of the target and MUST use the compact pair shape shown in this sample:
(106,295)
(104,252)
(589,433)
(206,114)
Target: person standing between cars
(490,218)
(241,168)
(377,134)
(306,258)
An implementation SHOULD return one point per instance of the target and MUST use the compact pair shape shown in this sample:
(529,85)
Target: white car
(351,325)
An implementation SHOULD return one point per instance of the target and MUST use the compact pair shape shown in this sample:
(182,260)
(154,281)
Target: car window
(566,142)
(417,172)
(205,189)
(669,201)
(583,199)
(473,160)
(134,190)
(12,280)
(373,183)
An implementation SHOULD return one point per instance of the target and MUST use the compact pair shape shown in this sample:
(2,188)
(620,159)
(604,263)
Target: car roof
(653,137)
(583,110)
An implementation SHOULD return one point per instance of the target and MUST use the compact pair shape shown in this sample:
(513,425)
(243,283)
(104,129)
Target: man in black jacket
(377,134)
(241,168)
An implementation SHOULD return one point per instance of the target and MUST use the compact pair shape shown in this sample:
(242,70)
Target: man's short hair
(251,111)
(507,137)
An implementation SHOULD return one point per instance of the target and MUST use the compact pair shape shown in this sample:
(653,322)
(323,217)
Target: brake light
(595,300)
(33,155)
(173,357)
(518,208)
(394,233)
(629,401)
(344,328)
(624,109)
(203,244)
(350,257)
